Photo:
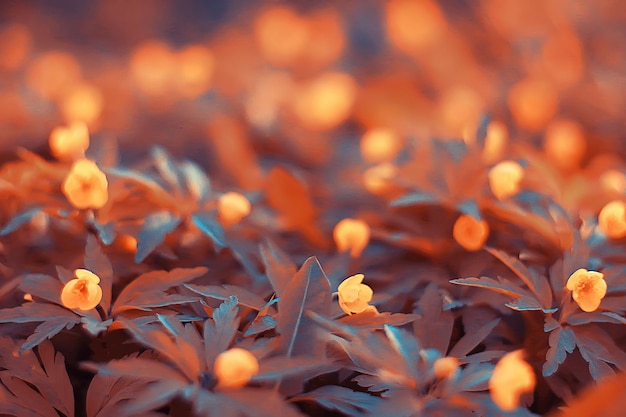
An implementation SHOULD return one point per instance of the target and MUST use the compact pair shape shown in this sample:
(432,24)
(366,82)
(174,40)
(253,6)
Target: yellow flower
(233,207)
(511,378)
(505,178)
(234,368)
(69,142)
(612,219)
(86,186)
(353,235)
(444,367)
(354,296)
(82,292)
(470,233)
(588,289)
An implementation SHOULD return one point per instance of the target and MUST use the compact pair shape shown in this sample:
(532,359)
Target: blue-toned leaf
(196,181)
(524,303)
(208,224)
(337,398)
(470,340)
(562,342)
(153,232)
(595,344)
(406,345)
(470,208)
(98,263)
(434,328)
(415,198)
(502,286)
(20,219)
(219,333)
(308,290)
(46,330)
(279,268)
(166,166)
(245,297)
(260,325)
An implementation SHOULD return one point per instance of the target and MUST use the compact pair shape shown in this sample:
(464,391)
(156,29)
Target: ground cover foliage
(398,208)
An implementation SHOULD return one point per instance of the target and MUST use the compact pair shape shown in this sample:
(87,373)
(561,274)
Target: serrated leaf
(371,320)
(98,263)
(308,290)
(47,330)
(434,328)
(42,286)
(501,286)
(153,231)
(208,224)
(470,340)
(223,292)
(562,342)
(33,312)
(596,345)
(155,282)
(59,392)
(337,398)
(178,351)
(219,333)
(259,325)
(279,268)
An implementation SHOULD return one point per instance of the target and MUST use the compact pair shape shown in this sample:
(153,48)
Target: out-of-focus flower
(68,143)
(380,145)
(495,142)
(82,103)
(281,34)
(444,367)
(234,368)
(194,73)
(232,207)
(565,144)
(15,45)
(86,186)
(52,73)
(354,296)
(152,66)
(505,178)
(82,292)
(326,101)
(588,289)
(612,219)
(470,233)
(378,179)
(511,378)
(352,235)
(414,25)
(613,181)
(533,103)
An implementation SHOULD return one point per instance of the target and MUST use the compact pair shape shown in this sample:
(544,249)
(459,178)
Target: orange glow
(565,144)
(380,145)
(194,72)
(445,367)
(152,66)
(378,179)
(51,74)
(235,367)
(127,243)
(495,142)
(86,186)
(470,233)
(83,103)
(533,103)
(352,235)
(233,207)
(458,108)
(354,296)
(588,289)
(511,378)
(613,181)
(505,178)
(82,292)
(15,45)
(612,219)
(325,102)
(70,142)
(281,34)
(414,24)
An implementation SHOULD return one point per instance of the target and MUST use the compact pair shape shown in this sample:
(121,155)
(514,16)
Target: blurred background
(299,80)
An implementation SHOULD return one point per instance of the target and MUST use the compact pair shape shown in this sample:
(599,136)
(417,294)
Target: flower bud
(588,289)
(470,233)
(233,207)
(511,378)
(68,143)
(612,219)
(505,178)
(352,235)
(86,186)
(354,296)
(234,368)
(82,292)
